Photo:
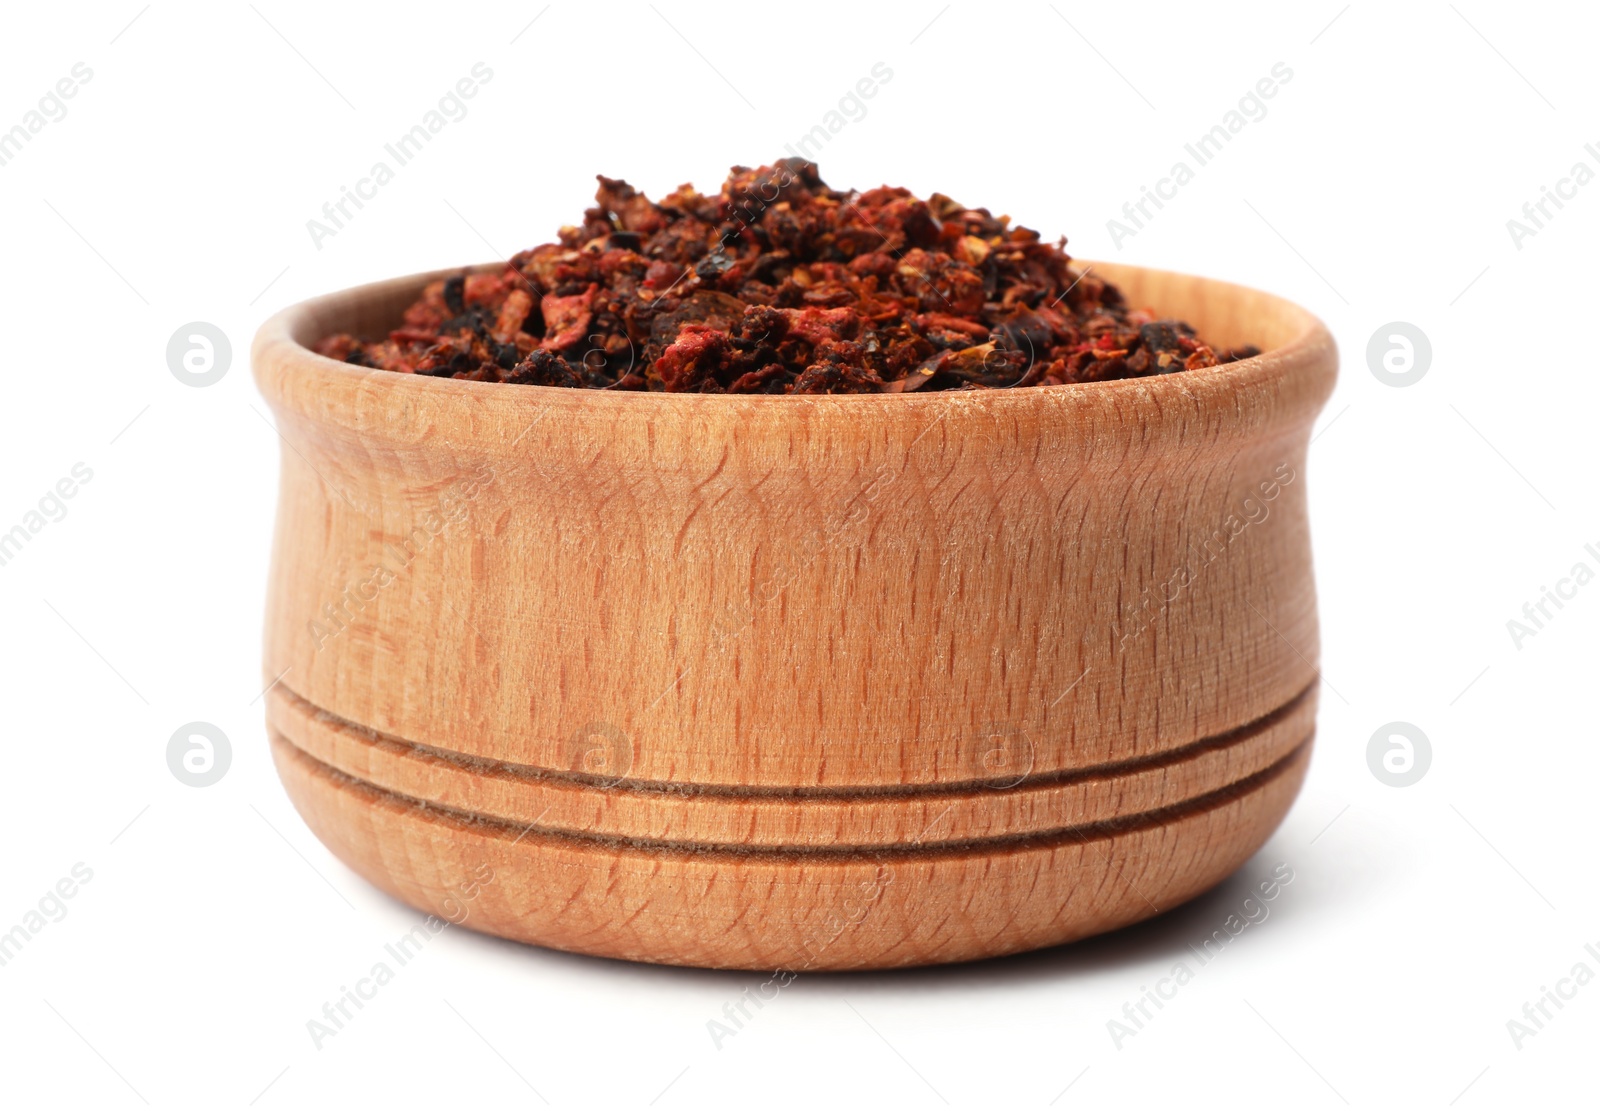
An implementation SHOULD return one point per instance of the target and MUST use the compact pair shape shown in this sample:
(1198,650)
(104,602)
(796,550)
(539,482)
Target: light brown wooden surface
(831,818)
(682,668)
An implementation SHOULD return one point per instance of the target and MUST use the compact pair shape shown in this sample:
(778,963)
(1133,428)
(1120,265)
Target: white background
(177,188)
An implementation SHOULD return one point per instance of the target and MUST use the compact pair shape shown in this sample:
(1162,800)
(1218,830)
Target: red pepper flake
(779,284)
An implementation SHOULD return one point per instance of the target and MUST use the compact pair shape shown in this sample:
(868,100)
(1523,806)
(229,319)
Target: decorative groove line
(1064,777)
(1080,834)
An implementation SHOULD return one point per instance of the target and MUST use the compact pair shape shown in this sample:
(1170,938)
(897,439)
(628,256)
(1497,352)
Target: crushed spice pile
(779,284)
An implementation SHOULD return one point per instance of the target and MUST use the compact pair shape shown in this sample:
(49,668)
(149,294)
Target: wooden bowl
(795,682)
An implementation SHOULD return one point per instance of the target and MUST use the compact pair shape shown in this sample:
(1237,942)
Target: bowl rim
(1283,386)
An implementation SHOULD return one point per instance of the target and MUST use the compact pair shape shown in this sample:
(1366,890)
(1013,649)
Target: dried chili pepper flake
(779,284)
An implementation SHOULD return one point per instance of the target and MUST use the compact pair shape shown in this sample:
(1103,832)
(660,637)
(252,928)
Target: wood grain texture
(796,911)
(675,655)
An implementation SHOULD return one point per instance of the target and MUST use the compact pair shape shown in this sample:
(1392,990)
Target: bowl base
(795,909)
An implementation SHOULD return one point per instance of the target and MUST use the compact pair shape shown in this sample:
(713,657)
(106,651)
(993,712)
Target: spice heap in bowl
(778,284)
